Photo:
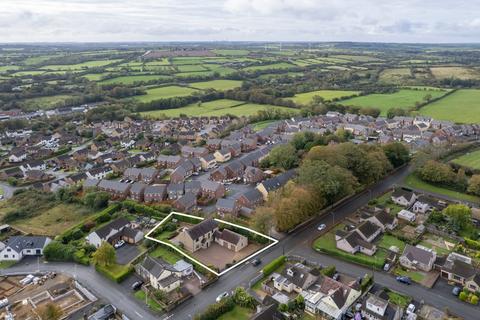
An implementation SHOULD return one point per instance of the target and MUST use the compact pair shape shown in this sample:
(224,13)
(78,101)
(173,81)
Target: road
(103,288)
(299,243)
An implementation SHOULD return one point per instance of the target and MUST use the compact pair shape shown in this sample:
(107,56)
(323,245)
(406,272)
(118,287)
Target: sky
(419,21)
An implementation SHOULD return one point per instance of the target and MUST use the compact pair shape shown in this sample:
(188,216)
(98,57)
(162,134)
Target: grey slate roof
(202,228)
(19,243)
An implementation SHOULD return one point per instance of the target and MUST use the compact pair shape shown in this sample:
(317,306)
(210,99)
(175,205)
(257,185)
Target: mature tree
(459,216)
(397,153)
(392,112)
(437,172)
(263,219)
(461,180)
(96,200)
(474,185)
(283,156)
(51,311)
(105,255)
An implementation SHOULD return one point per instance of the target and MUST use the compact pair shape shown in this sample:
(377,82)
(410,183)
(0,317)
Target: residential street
(297,243)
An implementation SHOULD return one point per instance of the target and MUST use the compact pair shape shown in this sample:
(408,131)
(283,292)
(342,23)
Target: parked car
(119,244)
(410,308)
(456,291)
(222,296)
(321,227)
(386,267)
(404,279)
(256,262)
(137,285)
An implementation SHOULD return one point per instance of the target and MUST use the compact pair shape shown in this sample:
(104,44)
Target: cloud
(213,20)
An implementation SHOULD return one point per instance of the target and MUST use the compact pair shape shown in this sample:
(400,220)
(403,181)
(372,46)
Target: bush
(134,207)
(366,282)
(215,310)
(117,274)
(463,296)
(272,266)
(57,251)
(104,217)
(472,244)
(87,226)
(243,299)
(329,271)
(366,261)
(474,299)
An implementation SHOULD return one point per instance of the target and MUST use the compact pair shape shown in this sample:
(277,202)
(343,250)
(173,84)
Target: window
(5,255)
(8,249)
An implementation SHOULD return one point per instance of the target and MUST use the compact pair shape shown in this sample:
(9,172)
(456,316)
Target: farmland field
(232,52)
(470,160)
(455,72)
(95,76)
(305,98)
(48,102)
(8,68)
(216,84)
(28,73)
(215,108)
(80,66)
(462,106)
(128,80)
(190,68)
(165,92)
(273,66)
(404,98)
(395,75)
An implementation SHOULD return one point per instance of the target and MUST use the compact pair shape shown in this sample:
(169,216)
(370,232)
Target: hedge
(274,265)
(473,244)
(329,271)
(366,261)
(214,311)
(135,207)
(115,276)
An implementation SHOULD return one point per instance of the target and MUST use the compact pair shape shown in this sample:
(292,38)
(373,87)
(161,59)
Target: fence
(85,292)
(434,230)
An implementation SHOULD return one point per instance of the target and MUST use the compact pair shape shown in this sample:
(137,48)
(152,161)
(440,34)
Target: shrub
(473,244)
(243,299)
(329,271)
(272,266)
(463,296)
(117,276)
(366,282)
(87,226)
(57,251)
(474,299)
(104,217)
(215,310)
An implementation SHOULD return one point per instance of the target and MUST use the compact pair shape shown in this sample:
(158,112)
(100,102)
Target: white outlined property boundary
(273,240)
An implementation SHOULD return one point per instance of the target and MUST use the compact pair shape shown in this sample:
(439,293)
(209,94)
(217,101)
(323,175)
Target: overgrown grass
(398,299)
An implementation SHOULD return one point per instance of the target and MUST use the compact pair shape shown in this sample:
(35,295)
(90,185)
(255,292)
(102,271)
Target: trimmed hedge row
(116,277)
(377,263)
(272,266)
(214,311)
(156,211)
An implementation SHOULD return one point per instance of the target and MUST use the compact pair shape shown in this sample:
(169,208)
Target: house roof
(156,266)
(385,218)
(368,229)
(187,201)
(223,203)
(398,193)
(253,195)
(19,243)
(202,228)
(137,187)
(278,181)
(210,185)
(117,224)
(155,189)
(354,239)
(417,254)
(114,185)
(228,236)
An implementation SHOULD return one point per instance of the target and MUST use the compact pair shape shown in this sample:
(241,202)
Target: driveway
(127,253)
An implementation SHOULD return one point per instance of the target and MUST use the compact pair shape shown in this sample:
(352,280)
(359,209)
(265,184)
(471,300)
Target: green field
(414,182)
(217,84)
(48,102)
(305,98)
(462,106)
(404,98)
(165,92)
(95,76)
(80,66)
(273,66)
(215,108)
(128,80)
(190,68)
(8,68)
(238,313)
(28,73)
(470,160)
(232,52)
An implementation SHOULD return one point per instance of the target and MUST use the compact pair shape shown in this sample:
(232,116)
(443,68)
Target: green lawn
(305,98)
(165,92)
(152,304)
(161,251)
(386,201)
(7,264)
(413,181)
(461,106)
(238,313)
(398,299)
(216,108)
(387,241)
(216,84)
(404,98)
(262,125)
(129,80)
(470,160)
(414,275)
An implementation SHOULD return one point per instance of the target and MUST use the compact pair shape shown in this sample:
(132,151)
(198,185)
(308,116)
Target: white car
(222,296)
(410,308)
(119,244)
(321,227)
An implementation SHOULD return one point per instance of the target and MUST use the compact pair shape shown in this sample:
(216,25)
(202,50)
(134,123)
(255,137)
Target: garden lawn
(165,92)
(404,99)
(414,182)
(462,106)
(399,299)
(216,84)
(307,97)
(128,80)
(152,304)
(216,108)
(238,313)
(262,124)
(387,241)
(414,275)
(162,251)
(327,244)
(470,160)
(386,201)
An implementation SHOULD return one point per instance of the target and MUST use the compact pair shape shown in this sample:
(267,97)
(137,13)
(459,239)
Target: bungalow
(17,247)
(368,231)
(222,155)
(186,203)
(406,215)
(115,188)
(119,229)
(160,274)
(403,197)
(36,175)
(352,243)
(426,204)
(34,165)
(418,257)
(376,308)
(154,193)
(200,236)
(17,156)
(14,172)
(459,269)
(384,220)
(231,240)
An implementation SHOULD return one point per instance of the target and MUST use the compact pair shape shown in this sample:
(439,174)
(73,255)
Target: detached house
(160,274)
(376,308)
(418,257)
(114,231)
(200,236)
(295,278)
(352,243)
(403,197)
(384,220)
(19,246)
(459,269)
(17,156)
